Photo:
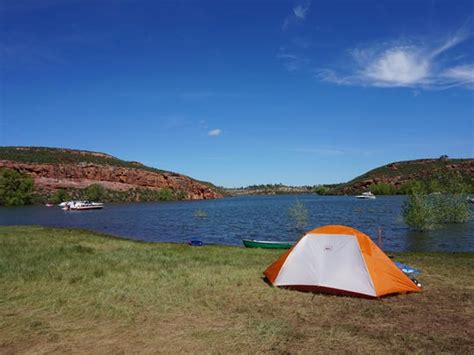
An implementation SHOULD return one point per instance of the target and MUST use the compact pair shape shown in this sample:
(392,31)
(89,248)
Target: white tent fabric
(324,261)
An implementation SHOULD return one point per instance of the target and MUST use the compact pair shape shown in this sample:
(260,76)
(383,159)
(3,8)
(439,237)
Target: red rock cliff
(49,177)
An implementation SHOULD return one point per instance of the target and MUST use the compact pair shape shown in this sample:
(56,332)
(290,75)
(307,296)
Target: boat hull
(264,244)
(86,208)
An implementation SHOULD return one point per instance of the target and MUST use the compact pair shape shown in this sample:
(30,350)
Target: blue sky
(241,92)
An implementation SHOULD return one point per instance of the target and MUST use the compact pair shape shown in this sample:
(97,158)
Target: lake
(228,220)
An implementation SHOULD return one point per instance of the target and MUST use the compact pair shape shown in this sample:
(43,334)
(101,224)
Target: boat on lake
(470,199)
(82,206)
(267,244)
(366,196)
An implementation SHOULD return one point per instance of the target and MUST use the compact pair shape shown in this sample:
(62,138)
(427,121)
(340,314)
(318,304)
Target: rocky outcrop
(52,176)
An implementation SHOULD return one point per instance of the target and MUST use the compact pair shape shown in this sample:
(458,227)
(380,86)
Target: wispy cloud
(214,132)
(328,150)
(418,65)
(292,62)
(205,94)
(461,75)
(286,56)
(30,55)
(317,151)
(298,14)
(301,10)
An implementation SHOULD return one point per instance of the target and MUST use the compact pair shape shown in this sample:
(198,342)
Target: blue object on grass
(196,243)
(407,269)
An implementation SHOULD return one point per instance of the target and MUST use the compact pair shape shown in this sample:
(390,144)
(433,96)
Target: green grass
(70,291)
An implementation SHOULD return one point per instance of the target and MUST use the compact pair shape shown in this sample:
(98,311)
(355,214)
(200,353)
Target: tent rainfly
(339,260)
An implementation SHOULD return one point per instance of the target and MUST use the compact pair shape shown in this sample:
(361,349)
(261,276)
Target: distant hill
(393,178)
(400,174)
(269,189)
(75,170)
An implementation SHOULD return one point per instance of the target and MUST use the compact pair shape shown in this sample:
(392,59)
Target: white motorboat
(366,196)
(82,206)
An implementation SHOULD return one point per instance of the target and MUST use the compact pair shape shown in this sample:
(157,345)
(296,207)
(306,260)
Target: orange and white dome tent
(339,260)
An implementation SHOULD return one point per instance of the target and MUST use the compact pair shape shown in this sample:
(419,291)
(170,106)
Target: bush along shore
(66,291)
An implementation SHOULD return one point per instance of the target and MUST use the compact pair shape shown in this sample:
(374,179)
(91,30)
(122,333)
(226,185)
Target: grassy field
(64,291)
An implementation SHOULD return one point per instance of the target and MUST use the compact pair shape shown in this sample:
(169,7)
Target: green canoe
(267,244)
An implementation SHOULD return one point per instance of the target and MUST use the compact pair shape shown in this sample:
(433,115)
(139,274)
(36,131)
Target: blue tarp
(407,269)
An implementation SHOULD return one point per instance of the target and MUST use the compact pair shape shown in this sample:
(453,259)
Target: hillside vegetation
(44,155)
(399,177)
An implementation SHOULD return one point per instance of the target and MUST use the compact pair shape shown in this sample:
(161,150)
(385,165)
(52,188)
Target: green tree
(95,192)
(166,194)
(59,196)
(382,189)
(16,189)
(322,190)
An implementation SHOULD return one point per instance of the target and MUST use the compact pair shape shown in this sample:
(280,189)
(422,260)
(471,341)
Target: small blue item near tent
(196,243)
(407,269)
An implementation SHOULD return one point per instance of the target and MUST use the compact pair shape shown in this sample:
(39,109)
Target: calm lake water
(257,217)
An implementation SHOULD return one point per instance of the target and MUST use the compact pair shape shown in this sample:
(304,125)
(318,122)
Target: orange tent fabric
(341,260)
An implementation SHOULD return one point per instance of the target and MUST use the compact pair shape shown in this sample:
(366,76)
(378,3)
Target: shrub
(200,213)
(16,189)
(180,195)
(322,190)
(166,194)
(419,213)
(95,192)
(425,212)
(59,196)
(298,214)
(382,189)
(451,208)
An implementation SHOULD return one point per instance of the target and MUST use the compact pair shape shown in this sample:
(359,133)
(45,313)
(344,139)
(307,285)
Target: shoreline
(117,237)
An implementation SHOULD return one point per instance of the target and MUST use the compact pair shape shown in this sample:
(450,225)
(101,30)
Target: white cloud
(214,132)
(408,65)
(298,14)
(398,66)
(300,11)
